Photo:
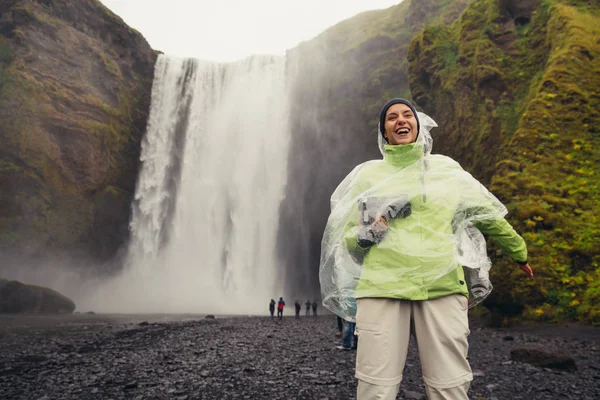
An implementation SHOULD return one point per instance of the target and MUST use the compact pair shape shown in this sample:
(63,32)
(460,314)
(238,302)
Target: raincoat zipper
(423,181)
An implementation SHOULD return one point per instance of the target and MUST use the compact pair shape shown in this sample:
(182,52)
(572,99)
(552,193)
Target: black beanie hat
(387,106)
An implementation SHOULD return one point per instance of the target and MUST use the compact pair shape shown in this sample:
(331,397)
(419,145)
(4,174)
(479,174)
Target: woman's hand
(380,225)
(527,269)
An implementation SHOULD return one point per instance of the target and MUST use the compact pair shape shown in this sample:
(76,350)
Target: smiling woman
(403,250)
(188,28)
(401,125)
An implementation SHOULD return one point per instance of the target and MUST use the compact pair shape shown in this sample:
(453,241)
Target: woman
(400,232)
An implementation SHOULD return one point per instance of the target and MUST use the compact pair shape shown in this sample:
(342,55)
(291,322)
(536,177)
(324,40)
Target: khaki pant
(440,327)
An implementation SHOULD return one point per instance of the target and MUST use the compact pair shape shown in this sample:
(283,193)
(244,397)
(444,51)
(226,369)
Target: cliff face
(341,79)
(75,85)
(515,87)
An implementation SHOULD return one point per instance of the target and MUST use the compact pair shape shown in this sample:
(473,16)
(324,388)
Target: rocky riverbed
(190,357)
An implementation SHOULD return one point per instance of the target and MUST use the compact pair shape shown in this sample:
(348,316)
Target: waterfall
(206,209)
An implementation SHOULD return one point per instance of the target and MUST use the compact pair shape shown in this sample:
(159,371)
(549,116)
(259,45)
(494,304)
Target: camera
(370,208)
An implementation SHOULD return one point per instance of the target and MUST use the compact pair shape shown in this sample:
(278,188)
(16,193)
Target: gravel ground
(127,357)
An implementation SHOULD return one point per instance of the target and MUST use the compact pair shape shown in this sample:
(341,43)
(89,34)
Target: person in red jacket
(280,305)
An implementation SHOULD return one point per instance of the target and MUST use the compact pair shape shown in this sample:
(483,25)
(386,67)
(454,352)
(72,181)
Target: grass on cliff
(526,120)
(558,141)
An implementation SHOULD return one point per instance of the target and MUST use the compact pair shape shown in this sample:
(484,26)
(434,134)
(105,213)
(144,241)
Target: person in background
(350,339)
(340,323)
(314,308)
(298,308)
(280,305)
(307,304)
(272,308)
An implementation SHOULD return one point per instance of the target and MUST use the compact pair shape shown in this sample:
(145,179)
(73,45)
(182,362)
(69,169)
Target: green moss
(441,42)
(111,65)
(6,57)
(5,52)
(535,102)
(7,166)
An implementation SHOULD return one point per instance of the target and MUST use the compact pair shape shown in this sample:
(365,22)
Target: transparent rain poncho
(401,226)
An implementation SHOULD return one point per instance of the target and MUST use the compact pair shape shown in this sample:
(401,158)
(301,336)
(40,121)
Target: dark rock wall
(75,85)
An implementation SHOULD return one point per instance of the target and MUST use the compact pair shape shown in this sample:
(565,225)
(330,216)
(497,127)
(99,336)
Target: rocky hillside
(515,86)
(19,298)
(341,79)
(75,86)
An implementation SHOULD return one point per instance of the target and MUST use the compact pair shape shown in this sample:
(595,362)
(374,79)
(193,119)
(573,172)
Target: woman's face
(400,125)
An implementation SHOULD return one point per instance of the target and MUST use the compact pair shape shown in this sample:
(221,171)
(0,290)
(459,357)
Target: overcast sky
(229,30)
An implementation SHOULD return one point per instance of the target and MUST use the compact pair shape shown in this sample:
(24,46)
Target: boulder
(542,358)
(19,298)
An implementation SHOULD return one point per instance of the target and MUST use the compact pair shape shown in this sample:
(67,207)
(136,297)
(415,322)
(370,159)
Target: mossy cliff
(341,79)
(75,86)
(515,87)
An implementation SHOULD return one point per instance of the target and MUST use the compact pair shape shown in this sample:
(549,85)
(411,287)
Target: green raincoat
(421,255)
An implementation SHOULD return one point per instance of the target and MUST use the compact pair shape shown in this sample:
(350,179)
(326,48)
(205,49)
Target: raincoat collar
(403,155)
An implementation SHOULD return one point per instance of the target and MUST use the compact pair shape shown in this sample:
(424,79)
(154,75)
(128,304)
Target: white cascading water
(206,209)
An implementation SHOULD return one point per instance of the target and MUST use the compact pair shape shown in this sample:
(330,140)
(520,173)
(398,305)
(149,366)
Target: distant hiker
(314,307)
(280,305)
(272,308)
(350,339)
(298,308)
(307,307)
